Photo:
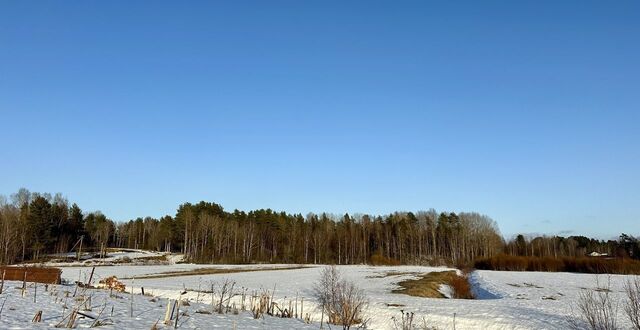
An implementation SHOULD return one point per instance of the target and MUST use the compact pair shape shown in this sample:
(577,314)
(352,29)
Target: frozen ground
(508,300)
(18,311)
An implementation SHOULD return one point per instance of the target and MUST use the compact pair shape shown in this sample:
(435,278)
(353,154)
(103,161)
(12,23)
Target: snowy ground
(114,312)
(113,257)
(508,300)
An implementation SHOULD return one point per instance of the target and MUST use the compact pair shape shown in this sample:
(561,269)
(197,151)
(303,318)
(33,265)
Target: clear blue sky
(525,111)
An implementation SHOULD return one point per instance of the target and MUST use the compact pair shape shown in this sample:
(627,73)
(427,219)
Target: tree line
(35,224)
(626,246)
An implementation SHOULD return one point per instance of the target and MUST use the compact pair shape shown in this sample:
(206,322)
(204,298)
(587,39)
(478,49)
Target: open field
(504,300)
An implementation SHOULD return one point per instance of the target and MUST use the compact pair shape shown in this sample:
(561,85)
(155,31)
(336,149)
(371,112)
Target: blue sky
(525,111)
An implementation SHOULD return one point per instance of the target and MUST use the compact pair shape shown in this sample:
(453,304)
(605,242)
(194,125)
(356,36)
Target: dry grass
(562,264)
(210,271)
(380,260)
(427,285)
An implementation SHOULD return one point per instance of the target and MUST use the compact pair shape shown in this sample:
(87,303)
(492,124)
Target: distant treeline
(33,224)
(575,246)
(577,254)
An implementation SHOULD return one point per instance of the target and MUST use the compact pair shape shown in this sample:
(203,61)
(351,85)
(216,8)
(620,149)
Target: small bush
(596,310)
(340,300)
(461,287)
(632,305)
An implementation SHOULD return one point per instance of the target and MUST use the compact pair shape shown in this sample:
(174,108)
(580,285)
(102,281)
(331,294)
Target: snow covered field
(507,300)
(19,311)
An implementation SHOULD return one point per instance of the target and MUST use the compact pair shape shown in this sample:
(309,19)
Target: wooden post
(272,293)
(212,303)
(198,296)
(131,305)
(2,307)
(454,321)
(167,313)
(80,250)
(24,283)
(91,276)
(178,302)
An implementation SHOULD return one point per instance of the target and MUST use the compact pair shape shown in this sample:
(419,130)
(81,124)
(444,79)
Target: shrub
(632,306)
(340,300)
(596,310)
(461,287)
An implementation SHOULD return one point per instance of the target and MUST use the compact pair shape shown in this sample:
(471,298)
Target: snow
(19,311)
(113,256)
(446,290)
(506,300)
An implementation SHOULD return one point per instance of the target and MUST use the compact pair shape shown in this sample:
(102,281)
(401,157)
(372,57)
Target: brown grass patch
(427,285)
(380,260)
(561,264)
(210,271)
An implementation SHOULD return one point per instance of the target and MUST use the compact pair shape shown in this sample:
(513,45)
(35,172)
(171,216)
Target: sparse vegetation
(428,285)
(632,305)
(225,292)
(408,321)
(340,300)
(596,309)
(209,271)
(405,322)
